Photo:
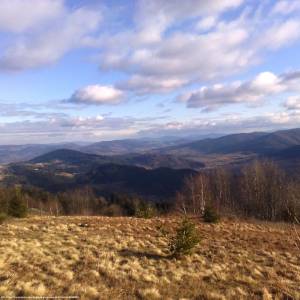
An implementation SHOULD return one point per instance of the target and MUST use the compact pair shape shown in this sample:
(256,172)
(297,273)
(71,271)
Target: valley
(144,169)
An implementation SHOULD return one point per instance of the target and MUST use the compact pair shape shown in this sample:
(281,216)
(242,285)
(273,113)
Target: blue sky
(102,70)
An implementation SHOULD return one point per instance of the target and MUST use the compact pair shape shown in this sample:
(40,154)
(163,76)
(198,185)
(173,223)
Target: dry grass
(126,258)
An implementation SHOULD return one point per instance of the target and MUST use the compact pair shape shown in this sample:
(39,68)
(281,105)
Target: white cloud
(293,103)
(232,123)
(180,10)
(189,55)
(154,17)
(50,43)
(150,84)
(285,7)
(210,48)
(206,23)
(81,128)
(63,129)
(97,95)
(280,35)
(254,91)
(19,15)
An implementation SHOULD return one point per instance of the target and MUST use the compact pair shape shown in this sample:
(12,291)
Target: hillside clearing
(126,258)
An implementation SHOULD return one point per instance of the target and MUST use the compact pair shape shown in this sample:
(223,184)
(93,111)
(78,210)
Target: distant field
(126,258)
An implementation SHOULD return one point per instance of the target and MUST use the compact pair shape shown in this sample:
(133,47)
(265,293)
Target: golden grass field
(127,258)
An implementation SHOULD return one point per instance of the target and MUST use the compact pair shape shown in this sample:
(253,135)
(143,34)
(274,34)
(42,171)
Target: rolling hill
(18,153)
(160,182)
(73,158)
(256,142)
(70,157)
(156,172)
(56,172)
(126,146)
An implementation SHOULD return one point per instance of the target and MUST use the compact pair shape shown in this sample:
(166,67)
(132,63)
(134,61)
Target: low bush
(185,239)
(145,210)
(210,215)
(113,210)
(3,217)
(16,206)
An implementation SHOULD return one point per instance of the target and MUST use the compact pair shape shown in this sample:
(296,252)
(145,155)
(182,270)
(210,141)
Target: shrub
(210,215)
(113,210)
(185,239)
(145,210)
(16,206)
(3,217)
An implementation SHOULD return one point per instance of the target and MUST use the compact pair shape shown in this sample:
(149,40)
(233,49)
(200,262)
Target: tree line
(19,201)
(259,190)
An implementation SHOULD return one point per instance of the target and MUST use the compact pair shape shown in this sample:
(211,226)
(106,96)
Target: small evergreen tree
(210,215)
(185,239)
(16,206)
(3,217)
(145,210)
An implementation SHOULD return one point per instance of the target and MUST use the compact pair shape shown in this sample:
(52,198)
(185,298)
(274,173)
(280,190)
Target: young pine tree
(16,206)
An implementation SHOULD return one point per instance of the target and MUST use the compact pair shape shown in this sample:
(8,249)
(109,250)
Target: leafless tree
(195,195)
(262,190)
(292,205)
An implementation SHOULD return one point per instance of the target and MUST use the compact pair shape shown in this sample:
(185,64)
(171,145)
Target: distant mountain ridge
(126,146)
(289,153)
(22,153)
(156,173)
(256,142)
(64,169)
(74,157)
(18,153)
(173,153)
(70,156)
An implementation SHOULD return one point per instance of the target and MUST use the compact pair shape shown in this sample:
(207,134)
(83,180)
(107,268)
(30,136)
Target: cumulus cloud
(211,48)
(97,95)
(188,55)
(253,91)
(206,23)
(66,31)
(285,7)
(154,17)
(293,103)
(151,84)
(19,15)
(280,35)
(156,46)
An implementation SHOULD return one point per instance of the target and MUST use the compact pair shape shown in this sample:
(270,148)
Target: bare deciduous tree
(195,195)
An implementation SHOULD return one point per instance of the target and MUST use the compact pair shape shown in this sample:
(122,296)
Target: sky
(92,70)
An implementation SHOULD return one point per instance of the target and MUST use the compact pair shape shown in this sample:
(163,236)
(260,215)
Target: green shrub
(210,215)
(16,205)
(185,239)
(145,210)
(3,217)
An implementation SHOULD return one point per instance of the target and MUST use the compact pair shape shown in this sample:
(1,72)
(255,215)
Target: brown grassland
(127,258)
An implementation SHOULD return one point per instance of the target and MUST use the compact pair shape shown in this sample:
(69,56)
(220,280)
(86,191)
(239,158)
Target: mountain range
(151,168)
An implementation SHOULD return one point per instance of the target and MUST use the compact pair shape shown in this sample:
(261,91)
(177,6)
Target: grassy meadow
(127,258)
